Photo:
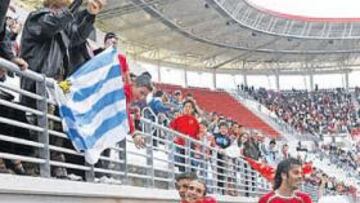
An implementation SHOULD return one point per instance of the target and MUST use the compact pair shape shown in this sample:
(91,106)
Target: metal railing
(35,138)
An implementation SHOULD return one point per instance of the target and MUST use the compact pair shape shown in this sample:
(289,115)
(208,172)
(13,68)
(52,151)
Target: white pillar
(159,72)
(185,78)
(347,80)
(311,82)
(214,79)
(245,80)
(277,77)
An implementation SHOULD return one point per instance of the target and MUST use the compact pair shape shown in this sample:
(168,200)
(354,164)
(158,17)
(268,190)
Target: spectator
(6,50)
(188,125)
(222,141)
(272,158)
(285,152)
(288,180)
(250,150)
(47,36)
(157,103)
(177,101)
(110,40)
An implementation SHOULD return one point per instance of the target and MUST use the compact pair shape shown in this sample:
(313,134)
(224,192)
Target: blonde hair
(56,3)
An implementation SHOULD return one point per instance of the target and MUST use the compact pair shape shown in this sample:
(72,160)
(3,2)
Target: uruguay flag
(92,105)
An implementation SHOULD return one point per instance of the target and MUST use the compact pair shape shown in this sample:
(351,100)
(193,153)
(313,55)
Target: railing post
(43,123)
(171,159)
(90,175)
(122,156)
(187,155)
(150,155)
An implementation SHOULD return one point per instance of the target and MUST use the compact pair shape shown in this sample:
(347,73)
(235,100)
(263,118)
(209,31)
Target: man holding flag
(94,103)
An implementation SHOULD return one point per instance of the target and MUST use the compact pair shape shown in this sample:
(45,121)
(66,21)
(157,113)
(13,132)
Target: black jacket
(47,37)
(251,150)
(46,40)
(5,41)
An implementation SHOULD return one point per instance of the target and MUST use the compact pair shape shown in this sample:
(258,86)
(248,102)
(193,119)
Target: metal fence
(34,138)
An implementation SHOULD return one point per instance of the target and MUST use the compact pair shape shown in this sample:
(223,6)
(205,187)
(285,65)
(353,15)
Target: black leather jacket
(47,37)
(46,40)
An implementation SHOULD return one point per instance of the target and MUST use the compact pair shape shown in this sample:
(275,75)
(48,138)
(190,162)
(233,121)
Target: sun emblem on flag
(65,86)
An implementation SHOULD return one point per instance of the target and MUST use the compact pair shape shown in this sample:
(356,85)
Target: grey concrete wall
(20,189)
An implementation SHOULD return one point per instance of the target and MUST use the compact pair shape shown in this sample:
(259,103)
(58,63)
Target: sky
(313,8)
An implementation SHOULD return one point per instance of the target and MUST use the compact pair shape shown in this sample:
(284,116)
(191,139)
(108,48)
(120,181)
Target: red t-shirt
(185,124)
(205,200)
(129,97)
(273,197)
(127,90)
(209,200)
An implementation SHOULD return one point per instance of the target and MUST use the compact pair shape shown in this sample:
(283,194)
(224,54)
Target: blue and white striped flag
(93,108)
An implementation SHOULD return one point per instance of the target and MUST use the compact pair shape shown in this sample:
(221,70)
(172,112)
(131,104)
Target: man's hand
(21,63)
(95,6)
(139,141)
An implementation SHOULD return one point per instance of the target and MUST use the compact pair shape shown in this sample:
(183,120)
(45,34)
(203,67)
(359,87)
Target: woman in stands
(188,125)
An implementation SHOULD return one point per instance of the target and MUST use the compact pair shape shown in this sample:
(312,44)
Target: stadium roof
(231,35)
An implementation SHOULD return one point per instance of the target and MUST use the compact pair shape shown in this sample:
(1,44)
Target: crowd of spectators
(318,112)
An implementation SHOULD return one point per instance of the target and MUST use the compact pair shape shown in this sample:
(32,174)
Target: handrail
(158,162)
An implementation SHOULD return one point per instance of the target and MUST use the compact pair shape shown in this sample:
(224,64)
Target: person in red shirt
(288,179)
(188,125)
(196,193)
(134,90)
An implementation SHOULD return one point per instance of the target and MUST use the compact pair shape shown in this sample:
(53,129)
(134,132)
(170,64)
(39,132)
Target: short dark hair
(223,123)
(272,142)
(284,167)
(177,93)
(186,175)
(109,35)
(144,80)
(159,93)
(204,123)
(192,104)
